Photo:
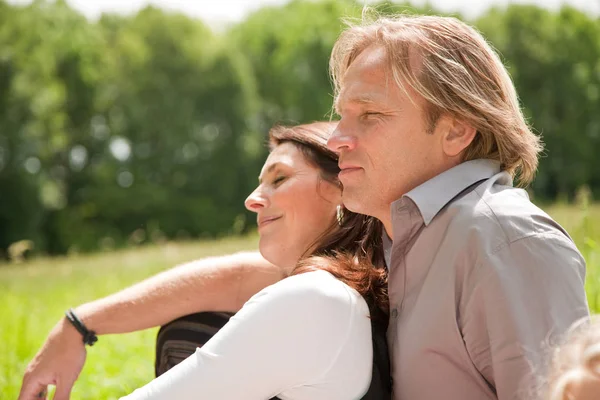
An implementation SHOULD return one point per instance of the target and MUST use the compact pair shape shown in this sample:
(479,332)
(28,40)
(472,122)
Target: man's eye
(370,114)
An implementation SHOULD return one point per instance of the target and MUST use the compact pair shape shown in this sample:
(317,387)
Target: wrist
(91,316)
(87,335)
(67,332)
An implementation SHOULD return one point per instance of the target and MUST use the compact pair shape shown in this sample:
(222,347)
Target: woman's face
(293,205)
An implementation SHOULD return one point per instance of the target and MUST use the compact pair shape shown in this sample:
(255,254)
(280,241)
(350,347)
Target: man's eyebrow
(270,169)
(362,100)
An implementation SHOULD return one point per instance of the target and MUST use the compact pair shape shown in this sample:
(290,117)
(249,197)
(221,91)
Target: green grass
(583,224)
(33,296)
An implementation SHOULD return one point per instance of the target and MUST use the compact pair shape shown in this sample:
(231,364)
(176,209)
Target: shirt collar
(431,196)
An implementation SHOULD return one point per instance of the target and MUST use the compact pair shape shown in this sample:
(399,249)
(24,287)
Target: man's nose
(340,141)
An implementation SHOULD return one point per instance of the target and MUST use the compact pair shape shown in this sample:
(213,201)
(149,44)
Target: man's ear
(456,135)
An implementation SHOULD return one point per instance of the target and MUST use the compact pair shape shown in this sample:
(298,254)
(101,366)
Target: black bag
(179,339)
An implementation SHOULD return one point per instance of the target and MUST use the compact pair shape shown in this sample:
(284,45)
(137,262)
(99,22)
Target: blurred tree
(49,79)
(152,126)
(176,128)
(126,124)
(554,59)
(289,48)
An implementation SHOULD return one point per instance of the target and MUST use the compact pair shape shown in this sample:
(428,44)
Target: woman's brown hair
(352,249)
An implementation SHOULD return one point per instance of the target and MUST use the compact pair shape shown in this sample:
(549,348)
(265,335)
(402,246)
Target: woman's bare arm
(213,284)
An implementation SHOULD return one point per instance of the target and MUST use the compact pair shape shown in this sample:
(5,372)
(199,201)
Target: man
(430,139)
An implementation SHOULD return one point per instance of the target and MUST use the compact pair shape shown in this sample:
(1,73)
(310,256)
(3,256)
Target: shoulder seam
(496,219)
(500,247)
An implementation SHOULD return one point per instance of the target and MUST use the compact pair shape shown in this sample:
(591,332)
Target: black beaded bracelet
(89,337)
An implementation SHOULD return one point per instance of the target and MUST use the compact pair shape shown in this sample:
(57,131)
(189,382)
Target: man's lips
(348,169)
(266,220)
(346,165)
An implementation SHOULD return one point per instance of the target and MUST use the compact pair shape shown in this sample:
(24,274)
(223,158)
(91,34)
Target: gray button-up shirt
(480,282)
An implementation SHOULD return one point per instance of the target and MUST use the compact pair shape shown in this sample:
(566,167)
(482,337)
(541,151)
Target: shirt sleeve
(288,334)
(526,294)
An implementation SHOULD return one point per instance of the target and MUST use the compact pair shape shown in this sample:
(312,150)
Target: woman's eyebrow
(270,169)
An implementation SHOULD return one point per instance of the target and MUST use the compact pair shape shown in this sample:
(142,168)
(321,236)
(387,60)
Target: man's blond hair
(456,71)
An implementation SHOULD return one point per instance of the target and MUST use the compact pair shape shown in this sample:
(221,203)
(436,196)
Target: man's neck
(386,220)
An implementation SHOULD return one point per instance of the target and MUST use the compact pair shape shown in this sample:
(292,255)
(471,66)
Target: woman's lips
(266,221)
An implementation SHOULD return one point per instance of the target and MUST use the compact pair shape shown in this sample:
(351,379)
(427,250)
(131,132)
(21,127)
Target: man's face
(385,150)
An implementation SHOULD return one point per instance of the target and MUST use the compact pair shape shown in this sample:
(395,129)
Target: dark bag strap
(381,380)
(178,339)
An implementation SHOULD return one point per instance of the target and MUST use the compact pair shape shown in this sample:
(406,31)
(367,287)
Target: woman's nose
(340,141)
(256,201)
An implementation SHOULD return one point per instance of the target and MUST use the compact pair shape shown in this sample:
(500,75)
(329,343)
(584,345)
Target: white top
(305,337)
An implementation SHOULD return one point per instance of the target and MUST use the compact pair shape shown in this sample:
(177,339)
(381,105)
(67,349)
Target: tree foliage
(153,126)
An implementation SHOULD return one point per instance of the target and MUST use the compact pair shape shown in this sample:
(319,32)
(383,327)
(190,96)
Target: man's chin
(353,201)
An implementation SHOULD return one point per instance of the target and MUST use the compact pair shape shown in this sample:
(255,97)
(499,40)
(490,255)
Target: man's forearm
(213,284)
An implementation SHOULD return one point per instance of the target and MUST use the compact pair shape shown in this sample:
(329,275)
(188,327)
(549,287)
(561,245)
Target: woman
(309,335)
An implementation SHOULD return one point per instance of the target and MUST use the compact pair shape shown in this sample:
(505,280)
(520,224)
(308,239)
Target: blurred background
(136,129)
(123,123)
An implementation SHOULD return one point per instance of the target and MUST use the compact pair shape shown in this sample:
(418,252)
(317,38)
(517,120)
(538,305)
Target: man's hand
(59,362)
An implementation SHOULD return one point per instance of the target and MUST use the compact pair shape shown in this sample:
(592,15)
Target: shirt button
(394,313)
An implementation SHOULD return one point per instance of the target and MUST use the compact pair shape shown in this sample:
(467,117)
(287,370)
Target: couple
(430,139)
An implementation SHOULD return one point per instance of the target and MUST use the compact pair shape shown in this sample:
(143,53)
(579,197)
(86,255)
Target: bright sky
(218,11)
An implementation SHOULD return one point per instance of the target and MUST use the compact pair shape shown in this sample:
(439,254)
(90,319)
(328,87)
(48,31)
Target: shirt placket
(406,221)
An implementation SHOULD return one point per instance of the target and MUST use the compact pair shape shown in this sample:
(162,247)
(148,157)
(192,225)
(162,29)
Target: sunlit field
(34,295)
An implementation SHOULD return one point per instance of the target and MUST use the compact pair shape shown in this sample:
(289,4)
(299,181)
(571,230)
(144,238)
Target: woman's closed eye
(278,180)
